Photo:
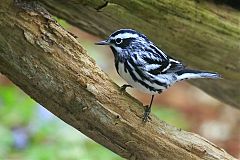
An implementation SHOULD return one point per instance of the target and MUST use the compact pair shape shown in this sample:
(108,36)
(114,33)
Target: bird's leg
(147,110)
(123,87)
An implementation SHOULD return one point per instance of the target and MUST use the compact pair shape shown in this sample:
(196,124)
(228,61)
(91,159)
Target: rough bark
(198,32)
(50,65)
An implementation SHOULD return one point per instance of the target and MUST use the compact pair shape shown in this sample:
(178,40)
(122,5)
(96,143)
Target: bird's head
(123,39)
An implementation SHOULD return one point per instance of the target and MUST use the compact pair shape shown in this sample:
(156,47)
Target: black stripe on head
(131,31)
(124,44)
(121,31)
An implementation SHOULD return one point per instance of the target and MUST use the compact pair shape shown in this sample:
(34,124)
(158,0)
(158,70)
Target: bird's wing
(159,63)
(155,66)
(174,66)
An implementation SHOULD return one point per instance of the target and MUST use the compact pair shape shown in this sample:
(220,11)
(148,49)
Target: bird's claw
(146,116)
(124,87)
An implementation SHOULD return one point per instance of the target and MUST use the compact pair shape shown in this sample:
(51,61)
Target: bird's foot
(146,116)
(124,87)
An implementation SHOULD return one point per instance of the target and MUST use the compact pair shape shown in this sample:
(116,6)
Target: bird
(146,67)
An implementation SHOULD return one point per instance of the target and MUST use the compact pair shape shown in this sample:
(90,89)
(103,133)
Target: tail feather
(194,74)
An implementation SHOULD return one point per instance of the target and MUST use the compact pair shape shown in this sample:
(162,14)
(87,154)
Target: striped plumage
(144,66)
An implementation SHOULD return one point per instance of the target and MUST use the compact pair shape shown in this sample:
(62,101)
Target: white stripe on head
(126,35)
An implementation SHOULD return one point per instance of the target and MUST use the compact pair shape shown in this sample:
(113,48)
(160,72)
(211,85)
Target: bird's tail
(194,74)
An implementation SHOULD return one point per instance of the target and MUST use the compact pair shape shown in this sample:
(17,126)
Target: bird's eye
(118,40)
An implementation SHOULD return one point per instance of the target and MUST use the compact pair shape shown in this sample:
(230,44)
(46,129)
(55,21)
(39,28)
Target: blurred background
(28,131)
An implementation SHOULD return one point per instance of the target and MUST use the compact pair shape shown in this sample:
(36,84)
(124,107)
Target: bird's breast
(132,78)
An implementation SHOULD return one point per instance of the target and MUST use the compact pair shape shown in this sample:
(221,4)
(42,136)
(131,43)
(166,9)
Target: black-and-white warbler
(144,66)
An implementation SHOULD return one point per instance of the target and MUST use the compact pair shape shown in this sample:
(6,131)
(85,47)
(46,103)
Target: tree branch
(200,33)
(49,64)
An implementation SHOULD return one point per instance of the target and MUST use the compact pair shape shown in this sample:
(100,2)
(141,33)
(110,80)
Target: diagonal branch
(50,65)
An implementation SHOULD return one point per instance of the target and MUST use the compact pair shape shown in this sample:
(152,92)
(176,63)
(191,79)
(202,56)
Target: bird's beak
(104,42)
